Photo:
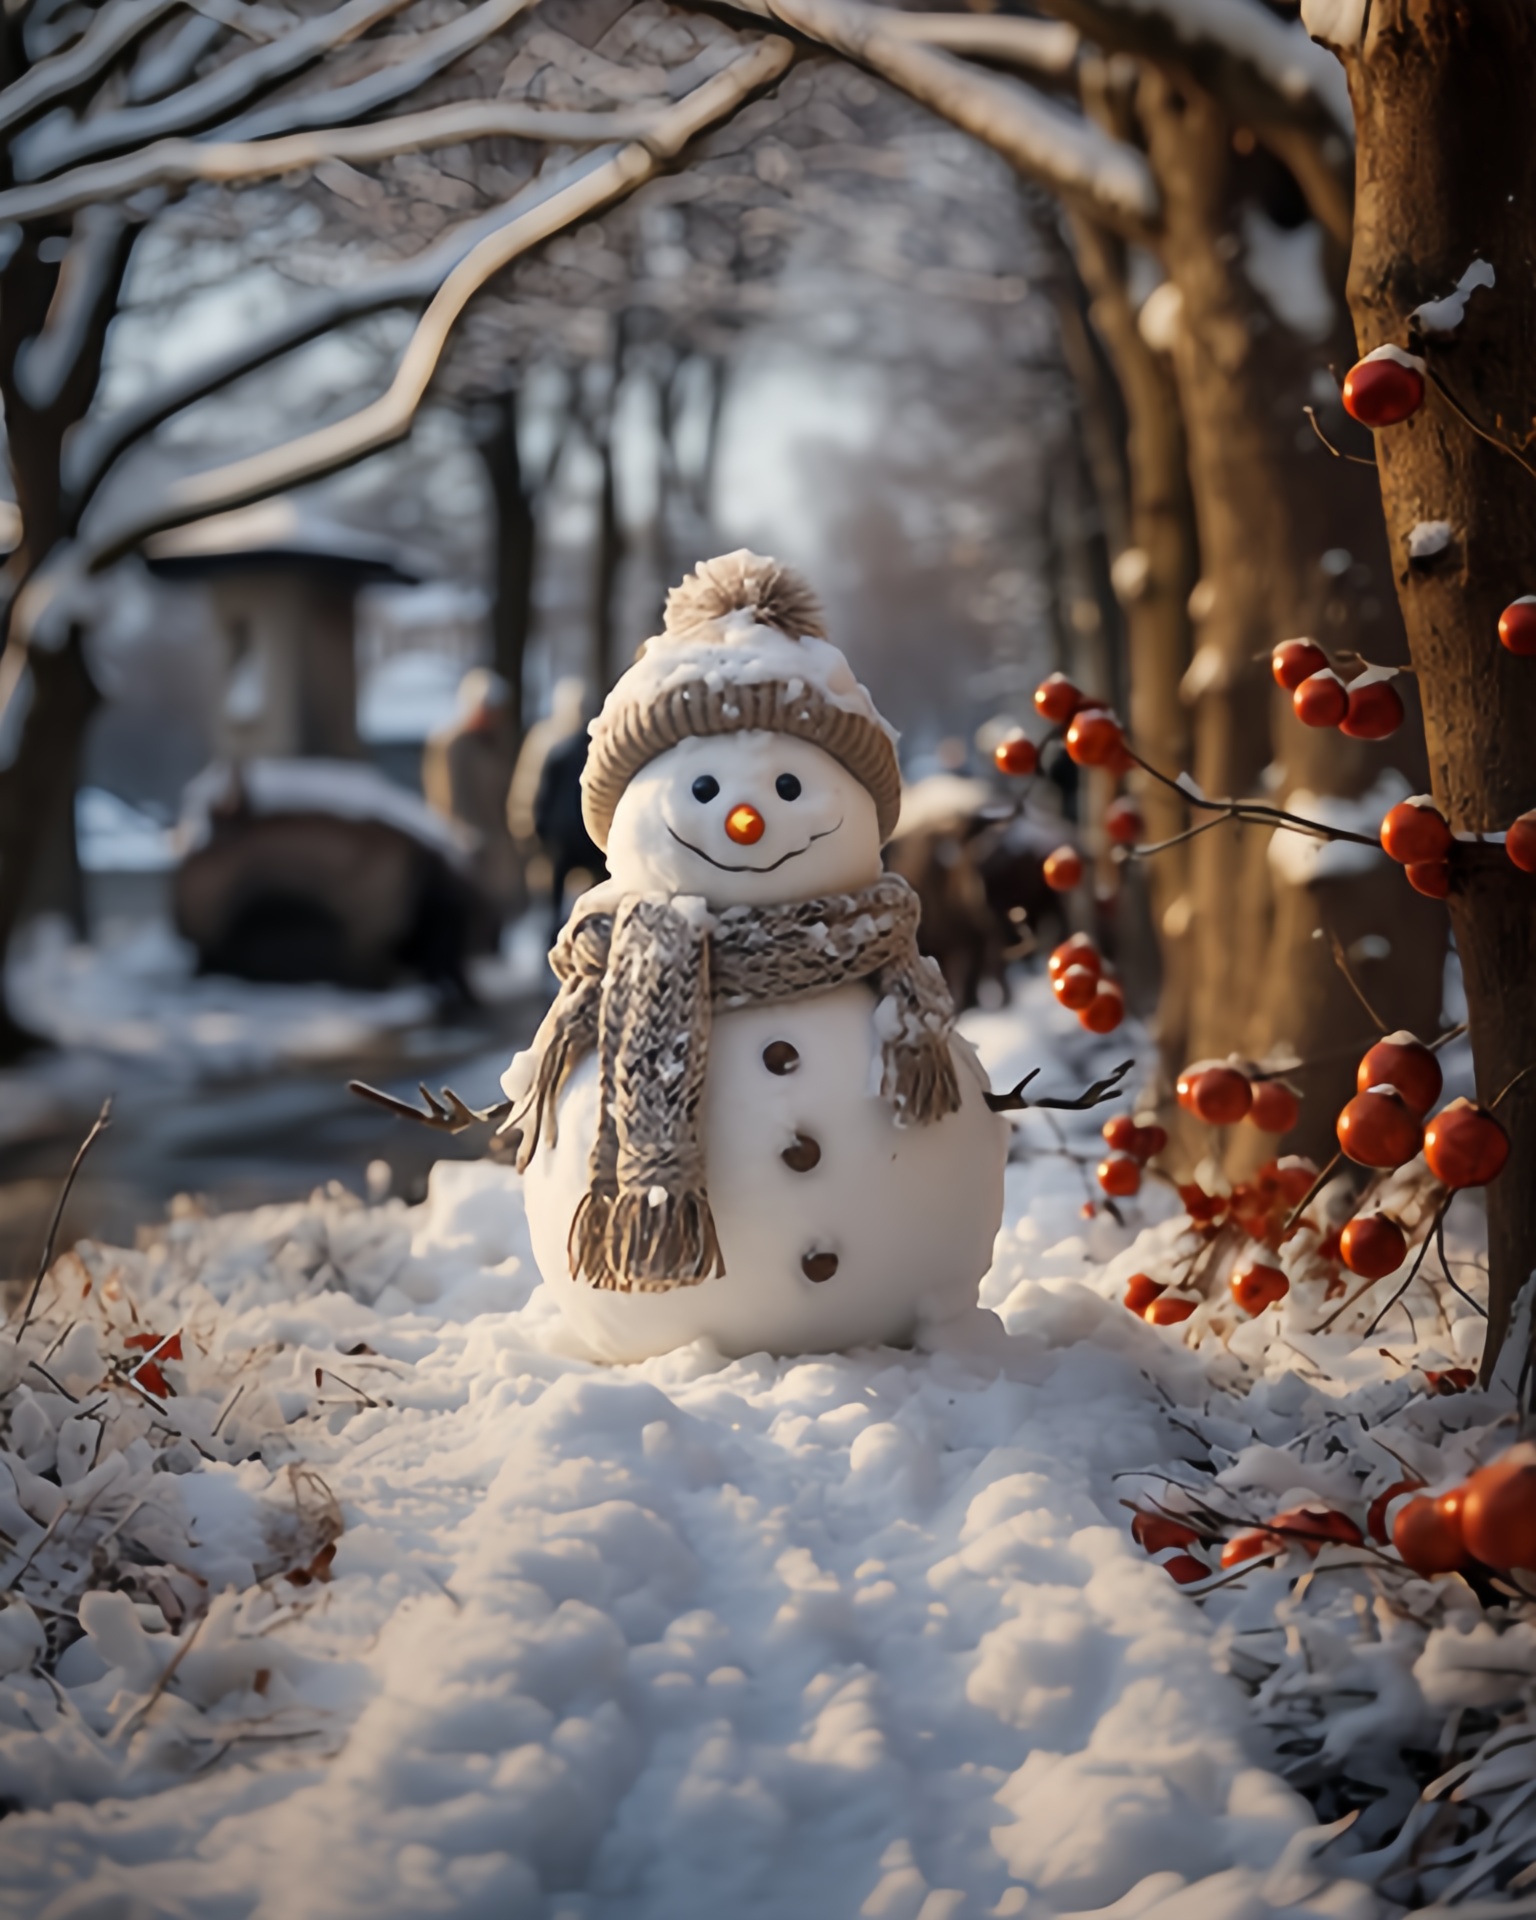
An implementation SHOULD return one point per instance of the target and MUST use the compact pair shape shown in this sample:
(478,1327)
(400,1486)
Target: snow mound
(412,1610)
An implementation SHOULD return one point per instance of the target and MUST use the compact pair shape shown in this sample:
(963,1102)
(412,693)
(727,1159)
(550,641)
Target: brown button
(780,1057)
(818,1266)
(801,1154)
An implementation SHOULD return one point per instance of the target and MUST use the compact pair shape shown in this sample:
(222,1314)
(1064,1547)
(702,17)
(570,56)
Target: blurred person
(562,831)
(466,772)
(567,715)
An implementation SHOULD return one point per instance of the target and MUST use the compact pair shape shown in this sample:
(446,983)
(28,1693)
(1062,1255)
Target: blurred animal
(977,869)
(327,874)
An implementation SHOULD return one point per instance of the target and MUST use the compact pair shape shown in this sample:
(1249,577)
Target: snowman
(747,1115)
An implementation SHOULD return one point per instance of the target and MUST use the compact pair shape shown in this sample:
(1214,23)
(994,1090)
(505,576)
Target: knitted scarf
(639,984)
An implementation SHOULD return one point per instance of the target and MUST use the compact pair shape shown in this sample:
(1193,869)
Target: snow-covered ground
(466,1625)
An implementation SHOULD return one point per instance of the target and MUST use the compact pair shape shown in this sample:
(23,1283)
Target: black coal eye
(705,787)
(787,787)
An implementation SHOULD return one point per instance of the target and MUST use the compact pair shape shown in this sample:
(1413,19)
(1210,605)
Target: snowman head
(738,757)
(744,819)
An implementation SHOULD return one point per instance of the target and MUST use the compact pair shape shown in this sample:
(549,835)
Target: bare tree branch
(180,163)
(1048,142)
(336,106)
(114,29)
(390,417)
(207,100)
(97,445)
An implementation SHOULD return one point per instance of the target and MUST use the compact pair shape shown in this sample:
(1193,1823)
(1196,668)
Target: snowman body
(838,1227)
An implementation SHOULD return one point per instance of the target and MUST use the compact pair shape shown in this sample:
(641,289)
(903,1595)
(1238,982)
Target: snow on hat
(743,647)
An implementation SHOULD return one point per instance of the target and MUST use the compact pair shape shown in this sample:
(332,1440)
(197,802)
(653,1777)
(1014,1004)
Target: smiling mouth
(773,865)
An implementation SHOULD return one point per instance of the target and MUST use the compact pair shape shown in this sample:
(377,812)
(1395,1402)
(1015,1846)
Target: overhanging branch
(390,417)
(1043,139)
(114,29)
(181,163)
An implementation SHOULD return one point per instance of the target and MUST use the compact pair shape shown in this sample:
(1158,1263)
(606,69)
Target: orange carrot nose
(745,825)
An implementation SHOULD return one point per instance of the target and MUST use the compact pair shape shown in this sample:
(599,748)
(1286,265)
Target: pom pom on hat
(743,648)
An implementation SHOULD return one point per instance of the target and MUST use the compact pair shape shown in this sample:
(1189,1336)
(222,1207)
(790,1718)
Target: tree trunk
(1446,175)
(1269,506)
(515,533)
(1154,573)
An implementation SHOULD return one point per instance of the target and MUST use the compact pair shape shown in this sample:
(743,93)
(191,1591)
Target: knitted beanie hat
(743,647)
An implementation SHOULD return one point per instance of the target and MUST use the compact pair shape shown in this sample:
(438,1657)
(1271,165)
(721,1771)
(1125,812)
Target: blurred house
(298,861)
(283,582)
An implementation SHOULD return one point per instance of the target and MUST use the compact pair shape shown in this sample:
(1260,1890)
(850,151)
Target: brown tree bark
(1446,175)
(515,534)
(1154,592)
(1268,504)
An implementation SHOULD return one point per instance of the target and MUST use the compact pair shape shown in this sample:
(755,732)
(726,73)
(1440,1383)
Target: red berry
(1520,843)
(1105,1010)
(1465,1146)
(1294,1176)
(1152,1141)
(1141,1290)
(1093,737)
(1429,1537)
(1375,710)
(1321,700)
(1248,1546)
(1373,1245)
(1376,1515)
(1414,831)
(1122,1134)
(1378,1129)
(1166,1311)
(1384,388)
(1123,822)
(1498,1510)
(1432,878)
(1257,1287)
(1076,951)
(1400,1061)
(1056,699)
(1449,1379)
(1063,869)
(1156,1532)
(1296,660)
(1221,1096)
(1016,756)
(1317,1527)
(1186,1569)
(1184,1086)
(1075,988)
(1517,625)
(1275,1108)
(151,1379)
(1119,1175)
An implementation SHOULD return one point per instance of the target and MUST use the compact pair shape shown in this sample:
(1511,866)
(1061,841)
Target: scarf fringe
(625,1244)
(919,1080)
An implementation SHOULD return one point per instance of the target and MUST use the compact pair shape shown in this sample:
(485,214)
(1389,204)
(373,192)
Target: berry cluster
(1417,835)
(1367,707)
(1222,1093)
(1132,1140)
(1384,1125)
(1082,983)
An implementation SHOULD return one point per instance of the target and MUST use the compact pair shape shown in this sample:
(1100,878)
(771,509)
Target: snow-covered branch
(339,106)
(1041,46)
(606,178)
(180,163)
(1266,72)
(1049,142)
(114,29)
(66,141)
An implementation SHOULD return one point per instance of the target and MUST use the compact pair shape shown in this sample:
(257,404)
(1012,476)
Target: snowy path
(856,1635)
